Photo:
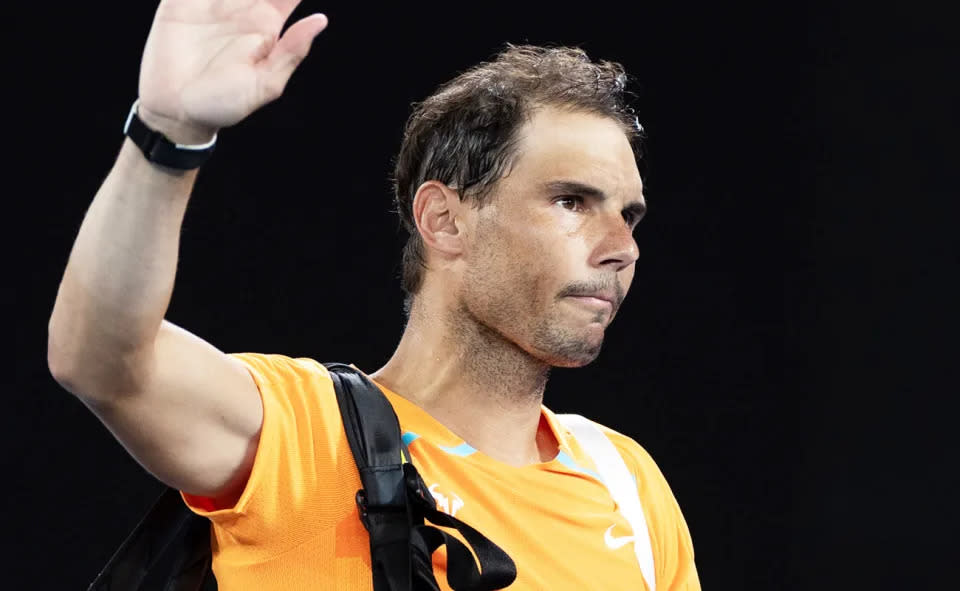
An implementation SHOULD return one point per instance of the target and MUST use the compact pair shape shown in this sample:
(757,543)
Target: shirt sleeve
(670,536)
(302,472)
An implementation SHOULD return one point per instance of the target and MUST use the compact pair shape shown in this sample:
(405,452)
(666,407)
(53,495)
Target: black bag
(169,550)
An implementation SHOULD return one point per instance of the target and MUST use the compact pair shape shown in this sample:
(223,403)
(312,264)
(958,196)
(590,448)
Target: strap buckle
(363,508)
(366,511)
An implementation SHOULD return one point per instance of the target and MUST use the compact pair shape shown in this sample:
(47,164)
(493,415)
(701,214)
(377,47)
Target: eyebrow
(636,209)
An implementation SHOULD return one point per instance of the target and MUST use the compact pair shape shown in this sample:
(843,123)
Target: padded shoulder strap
(373,433)
(616,476)
(394,501)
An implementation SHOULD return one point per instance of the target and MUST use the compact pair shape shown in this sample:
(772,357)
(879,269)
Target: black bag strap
(394,502)
(498,572)
(373,433)
(168,532)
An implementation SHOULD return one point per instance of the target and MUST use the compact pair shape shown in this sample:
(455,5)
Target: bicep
(195,421)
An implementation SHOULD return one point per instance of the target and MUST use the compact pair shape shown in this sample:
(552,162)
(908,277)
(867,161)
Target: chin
(572,363)
(573,353)
(560,344)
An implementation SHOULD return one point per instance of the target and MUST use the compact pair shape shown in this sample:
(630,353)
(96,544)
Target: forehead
(578,146)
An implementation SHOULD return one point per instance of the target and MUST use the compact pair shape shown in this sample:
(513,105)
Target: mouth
(594,302)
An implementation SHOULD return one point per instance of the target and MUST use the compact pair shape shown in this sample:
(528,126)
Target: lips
(593,301)
(603,296)
(607,296)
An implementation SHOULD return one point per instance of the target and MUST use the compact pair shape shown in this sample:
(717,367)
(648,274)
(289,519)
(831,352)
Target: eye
(632,216)
(570,202)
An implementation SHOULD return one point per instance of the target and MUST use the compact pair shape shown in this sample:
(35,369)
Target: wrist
(179,132)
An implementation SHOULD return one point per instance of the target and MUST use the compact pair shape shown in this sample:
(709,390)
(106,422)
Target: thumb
(289,51)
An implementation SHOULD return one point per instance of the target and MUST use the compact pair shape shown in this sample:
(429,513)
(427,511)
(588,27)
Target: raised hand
(208,64)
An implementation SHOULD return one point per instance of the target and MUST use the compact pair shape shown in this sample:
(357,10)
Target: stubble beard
(545,336)
(563,346)
(497,305)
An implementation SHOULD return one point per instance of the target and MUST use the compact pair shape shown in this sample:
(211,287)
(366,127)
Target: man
(519,184)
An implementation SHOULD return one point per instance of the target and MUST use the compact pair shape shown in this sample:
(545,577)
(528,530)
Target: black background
(785,352)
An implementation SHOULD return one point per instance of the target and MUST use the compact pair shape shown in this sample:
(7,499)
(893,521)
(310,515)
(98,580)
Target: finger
(297,39)
(290,50)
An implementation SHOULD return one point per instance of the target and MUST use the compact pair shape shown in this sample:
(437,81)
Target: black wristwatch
(157,148)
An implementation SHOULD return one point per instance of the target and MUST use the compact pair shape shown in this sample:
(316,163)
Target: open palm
(211,63)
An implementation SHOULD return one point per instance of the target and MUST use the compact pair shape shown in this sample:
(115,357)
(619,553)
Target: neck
(484,388)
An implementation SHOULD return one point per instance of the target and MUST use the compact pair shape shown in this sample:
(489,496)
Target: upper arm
(194,420)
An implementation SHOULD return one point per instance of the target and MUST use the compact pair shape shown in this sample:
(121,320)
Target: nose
(616,247)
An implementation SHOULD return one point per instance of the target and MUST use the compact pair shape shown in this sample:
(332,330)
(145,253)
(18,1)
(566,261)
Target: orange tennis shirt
(295,526)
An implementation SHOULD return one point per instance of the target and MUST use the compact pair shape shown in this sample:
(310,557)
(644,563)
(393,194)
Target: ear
(437,211)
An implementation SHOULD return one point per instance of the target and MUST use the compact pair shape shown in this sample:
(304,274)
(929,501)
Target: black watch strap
(160,150)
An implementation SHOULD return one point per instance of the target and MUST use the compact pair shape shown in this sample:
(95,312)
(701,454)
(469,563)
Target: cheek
(531,258)
(513,273)
(524,264)
(628,274)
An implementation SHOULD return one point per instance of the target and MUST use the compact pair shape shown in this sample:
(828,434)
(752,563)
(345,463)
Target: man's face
(551,256)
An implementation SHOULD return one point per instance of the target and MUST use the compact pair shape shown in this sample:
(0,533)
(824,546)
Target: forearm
(119,278)
(203,70)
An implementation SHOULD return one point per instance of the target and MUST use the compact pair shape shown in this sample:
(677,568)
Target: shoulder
(669,531)
(276,365)
(634,454)
(291,386)
(637,459)
(281,372)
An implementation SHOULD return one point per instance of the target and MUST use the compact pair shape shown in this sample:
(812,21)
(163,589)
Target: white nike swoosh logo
(618,542)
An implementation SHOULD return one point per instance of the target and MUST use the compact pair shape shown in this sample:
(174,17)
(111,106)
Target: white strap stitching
(616,476)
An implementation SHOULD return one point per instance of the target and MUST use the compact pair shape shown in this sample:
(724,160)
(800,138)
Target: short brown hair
(465,134)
